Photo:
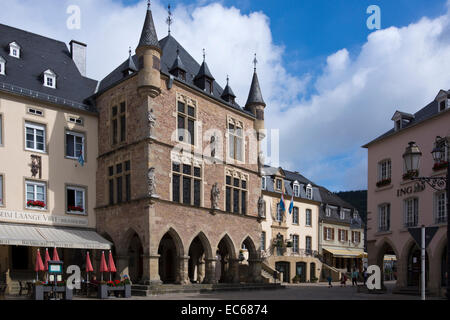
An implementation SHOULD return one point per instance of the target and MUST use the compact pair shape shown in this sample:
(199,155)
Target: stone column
(150,273)
(210,272)
(122,265)
(233,270)
(182,272)
(254,271)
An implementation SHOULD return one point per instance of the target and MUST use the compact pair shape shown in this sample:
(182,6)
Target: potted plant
(296,279)
(440,165)
(314,279)
(384,182)
(35,204)
(410,174)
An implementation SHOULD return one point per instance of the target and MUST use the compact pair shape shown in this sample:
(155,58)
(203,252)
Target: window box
(36,204)
(440,166)
(410,174)
(384,182)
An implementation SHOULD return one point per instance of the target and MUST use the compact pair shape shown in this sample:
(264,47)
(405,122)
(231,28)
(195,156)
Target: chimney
(78,55)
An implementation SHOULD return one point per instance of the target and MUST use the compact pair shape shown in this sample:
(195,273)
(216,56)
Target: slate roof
(178,64)
(420,116)
(255,95)
(37,55)
(204,72)
(169,46)
(148,35)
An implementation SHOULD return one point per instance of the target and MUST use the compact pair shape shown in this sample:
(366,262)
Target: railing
(441,219)
(288,251)
(42,96)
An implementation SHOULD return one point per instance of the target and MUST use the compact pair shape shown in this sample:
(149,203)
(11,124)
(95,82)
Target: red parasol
(55,255)
(39,265)
(103,266)
(88,266)
(112,267)
(46,260)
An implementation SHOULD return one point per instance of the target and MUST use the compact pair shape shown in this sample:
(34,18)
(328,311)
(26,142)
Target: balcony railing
(441,219)
(411,224)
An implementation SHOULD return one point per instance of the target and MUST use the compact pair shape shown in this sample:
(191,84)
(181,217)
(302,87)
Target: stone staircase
(151,290)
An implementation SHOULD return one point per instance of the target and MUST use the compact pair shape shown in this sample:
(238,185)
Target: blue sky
(330,84)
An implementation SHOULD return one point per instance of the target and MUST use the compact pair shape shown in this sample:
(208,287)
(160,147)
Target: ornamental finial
(169,20)
(255,62)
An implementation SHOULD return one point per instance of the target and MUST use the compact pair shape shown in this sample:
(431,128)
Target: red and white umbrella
(103,266)
(88,266)
(55,255)
(112,266)
(39,266)
(46,259)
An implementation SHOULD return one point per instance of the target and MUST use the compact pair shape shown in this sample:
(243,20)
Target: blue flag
(81,159)
(291,206)
(282,206)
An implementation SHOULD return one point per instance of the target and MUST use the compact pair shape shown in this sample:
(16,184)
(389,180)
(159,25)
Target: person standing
(343,280)
(329,280)
(355,277)
(365,275)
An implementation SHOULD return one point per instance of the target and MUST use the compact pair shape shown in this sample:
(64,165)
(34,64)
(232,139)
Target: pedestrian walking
(365,275)
(329,281)
(343,280)
(355,277)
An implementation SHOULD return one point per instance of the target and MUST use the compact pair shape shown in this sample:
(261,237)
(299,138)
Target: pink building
(396,203)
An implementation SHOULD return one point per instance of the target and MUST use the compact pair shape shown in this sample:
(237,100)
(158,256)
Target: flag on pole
(291,206)
(81,159)
(282,206)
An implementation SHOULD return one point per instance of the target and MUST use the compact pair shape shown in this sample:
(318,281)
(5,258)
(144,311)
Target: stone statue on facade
(152,122)
(261,213)
(215,195)
(151,182)
(261,160)
(36,166)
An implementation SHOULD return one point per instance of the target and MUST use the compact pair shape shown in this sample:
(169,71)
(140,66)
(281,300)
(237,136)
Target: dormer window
(50,79)
(443,105)
(309,192)
(263,183)
(296,188)
(401,120)
(2,65)
(14,50)
(209,86)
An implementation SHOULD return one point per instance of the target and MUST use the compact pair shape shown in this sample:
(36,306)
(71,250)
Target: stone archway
(249,262)
(170,253)
(135,258)
(226,262)
(388,259)
(414,267)
(199,255)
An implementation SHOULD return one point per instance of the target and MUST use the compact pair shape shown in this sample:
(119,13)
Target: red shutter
(332,234)
(324,233)
(353,236)
(346,235)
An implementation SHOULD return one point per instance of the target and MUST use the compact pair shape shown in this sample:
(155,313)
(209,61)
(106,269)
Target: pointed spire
(131,65)
(228,94)
(204,70)
(255,96)
(149,36)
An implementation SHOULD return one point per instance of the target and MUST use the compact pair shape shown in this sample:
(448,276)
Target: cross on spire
(204,54)
(228,80)
(169,20)
(255,62)
(148,4)
(129,51)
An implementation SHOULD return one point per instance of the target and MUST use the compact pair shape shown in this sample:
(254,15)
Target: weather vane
(204,54)
(169,20)
(255,62)
(148,4)
(228,80)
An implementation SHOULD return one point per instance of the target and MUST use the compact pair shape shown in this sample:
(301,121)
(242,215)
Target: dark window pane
(111,171)
(237,182)
(122,107)
(197,191)
(70,198)
(119,189)
(228,199)
(114,111)
(191,131)
(119,168)
(70,146)
(244,202)
(128,187)
(181,107)
(197,172)
(235,201)
(176,188)
(186,190)
(244,184)
(127,165)
(111,191)
(114,131)
(176,167)
(228,180)
(123,128)
(180,128)
(187,169)
(191,111)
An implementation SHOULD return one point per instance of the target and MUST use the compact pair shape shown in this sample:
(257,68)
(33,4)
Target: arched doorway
(300,270)
(388,260)
(444,267)
(414,267)
(135,258)
(284,268)
(170,250)
(247,257)
(312,271)
(196,269)
(224,255)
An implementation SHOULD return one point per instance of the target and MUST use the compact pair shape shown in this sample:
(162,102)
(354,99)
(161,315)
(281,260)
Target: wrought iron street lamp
(412,157)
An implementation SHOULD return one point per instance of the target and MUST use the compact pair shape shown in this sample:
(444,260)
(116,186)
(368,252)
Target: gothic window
(186,184)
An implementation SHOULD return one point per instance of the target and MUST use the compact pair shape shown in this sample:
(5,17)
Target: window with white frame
(279,216)
(328,211)
(309,192)
(328,233)
(384,220)
(296,189)
(50,79)
(279,184)
(295,216)
(295,243)
(440,200)
(308,243)
(356,237)
(36,195)
(76,200)
(235,140)
(14,50)
(34,137)
(1,191)
(308,217)
(2,65)
(343,235)
(342,215)
(263,183)
(384,170)
(441,144)
(411,212)
(74,145)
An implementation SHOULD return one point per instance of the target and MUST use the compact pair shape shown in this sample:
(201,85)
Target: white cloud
(355,96)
